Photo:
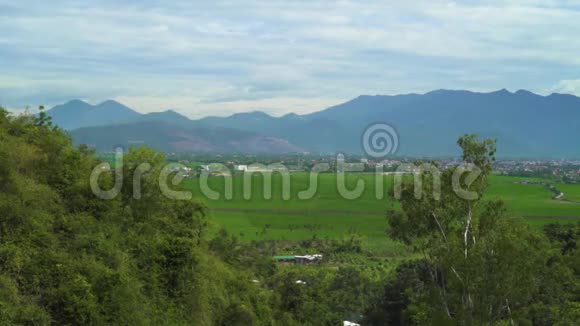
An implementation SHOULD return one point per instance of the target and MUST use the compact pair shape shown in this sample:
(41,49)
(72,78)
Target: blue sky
(217,58)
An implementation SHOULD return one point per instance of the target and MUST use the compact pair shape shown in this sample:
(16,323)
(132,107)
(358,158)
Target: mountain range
(525,125)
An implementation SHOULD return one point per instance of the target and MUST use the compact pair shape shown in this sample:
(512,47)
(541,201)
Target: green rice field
(572,192)
(328,215)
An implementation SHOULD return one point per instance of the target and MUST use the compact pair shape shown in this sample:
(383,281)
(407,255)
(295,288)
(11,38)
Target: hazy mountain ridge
(170,137)
(526,124)
(111,124)
(77,114)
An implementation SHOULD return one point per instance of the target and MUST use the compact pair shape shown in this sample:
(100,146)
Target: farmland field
(571,191)
(328,215)
(531,200)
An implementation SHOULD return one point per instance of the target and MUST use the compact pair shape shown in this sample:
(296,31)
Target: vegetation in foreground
(479,266)
(69,258)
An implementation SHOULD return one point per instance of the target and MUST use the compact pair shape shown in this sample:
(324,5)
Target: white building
(348,323)
(241,167)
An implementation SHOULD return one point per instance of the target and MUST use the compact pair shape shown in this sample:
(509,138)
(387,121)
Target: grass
(265,226)
(530,200)
(326,197)
(328,215)
(571,191)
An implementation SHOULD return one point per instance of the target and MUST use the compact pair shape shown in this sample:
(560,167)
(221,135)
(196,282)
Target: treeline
(70,258)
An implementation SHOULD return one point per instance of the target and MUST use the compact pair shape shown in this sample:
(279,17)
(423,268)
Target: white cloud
(214,58)
(567,87)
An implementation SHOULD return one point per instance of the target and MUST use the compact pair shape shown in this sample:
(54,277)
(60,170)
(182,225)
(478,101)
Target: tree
(484,266)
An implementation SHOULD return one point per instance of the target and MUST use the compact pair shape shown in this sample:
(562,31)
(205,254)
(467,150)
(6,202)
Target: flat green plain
(571,191)
(329,215)
(532,200)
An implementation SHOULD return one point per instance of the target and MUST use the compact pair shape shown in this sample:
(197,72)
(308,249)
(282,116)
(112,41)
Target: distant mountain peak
(259,113)
(111,103)
(168,116)
(168,113)
(562,95)
(174,113)
(461,91)
(438,91)
(76,114)
(252,114)
(76,102)
(290,115)
(524,91)
(502,91)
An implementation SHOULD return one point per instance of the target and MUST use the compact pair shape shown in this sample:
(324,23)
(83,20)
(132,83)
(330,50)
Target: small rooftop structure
(349,323)
(241,167)
(305,259)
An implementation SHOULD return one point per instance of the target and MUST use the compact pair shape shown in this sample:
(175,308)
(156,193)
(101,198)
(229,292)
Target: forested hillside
(70,258)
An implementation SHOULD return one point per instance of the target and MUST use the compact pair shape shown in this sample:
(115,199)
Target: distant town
(563,170)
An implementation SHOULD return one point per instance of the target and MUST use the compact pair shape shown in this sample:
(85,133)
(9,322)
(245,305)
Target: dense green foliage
(478,265)
(70,258)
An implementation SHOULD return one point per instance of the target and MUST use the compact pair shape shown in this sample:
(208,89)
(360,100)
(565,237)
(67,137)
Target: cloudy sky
(217,58)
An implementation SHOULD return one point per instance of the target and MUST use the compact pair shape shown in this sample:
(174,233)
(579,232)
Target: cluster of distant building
(568,170)
(184,171)
(259,168)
